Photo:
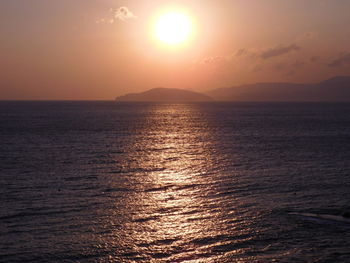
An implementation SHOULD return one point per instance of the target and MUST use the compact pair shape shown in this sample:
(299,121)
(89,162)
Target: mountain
(165,95)
(336,89)
(332,90)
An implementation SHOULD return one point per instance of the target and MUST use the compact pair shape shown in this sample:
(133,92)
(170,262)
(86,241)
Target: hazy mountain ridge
(165,95)
(333,89)
(336,89)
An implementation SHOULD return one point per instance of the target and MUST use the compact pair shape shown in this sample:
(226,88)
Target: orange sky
(71,49)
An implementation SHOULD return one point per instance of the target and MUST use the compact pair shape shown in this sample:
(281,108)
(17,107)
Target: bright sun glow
(173,28)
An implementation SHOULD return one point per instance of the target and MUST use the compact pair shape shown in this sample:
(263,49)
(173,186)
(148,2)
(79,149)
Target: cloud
(123,13)
(100,21)
(279,51)
(211,60)
(343,60)
(246,53)
(241,52)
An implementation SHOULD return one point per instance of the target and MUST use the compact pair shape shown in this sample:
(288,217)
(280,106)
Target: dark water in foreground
(216,182)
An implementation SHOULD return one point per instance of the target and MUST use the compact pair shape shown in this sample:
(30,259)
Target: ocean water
(147,182)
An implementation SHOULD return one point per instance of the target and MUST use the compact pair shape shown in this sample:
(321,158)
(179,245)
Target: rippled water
(211,182)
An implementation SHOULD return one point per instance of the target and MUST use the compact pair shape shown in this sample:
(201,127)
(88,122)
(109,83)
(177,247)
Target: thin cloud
(123,13)
(343,60)
(241,52)
(238,54)
(211,60)
(245,52)
(279,51)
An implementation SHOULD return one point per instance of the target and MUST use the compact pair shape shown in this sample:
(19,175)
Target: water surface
(147,182)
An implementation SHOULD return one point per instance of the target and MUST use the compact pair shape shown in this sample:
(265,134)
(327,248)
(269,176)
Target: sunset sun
(173,28)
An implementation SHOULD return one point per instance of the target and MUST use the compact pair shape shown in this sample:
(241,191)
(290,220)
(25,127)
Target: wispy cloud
(342,60)
(241,52)
(279,51)
(212,60)
(123,13)
(272,60)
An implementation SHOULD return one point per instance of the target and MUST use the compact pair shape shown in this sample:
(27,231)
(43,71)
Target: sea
(102,181)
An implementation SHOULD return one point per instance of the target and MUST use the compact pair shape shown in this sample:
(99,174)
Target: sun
(173,28)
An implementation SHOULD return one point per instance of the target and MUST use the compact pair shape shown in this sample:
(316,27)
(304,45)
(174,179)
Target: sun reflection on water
(175,214)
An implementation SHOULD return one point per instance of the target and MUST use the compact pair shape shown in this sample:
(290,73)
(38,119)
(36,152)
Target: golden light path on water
(177,213)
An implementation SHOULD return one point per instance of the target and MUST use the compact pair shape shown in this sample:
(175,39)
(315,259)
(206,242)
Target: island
(165,95)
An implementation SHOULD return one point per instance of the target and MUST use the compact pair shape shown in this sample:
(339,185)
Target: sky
(100,49)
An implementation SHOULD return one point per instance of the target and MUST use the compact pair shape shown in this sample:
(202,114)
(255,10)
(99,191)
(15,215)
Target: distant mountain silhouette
(336,89)
(165,95)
